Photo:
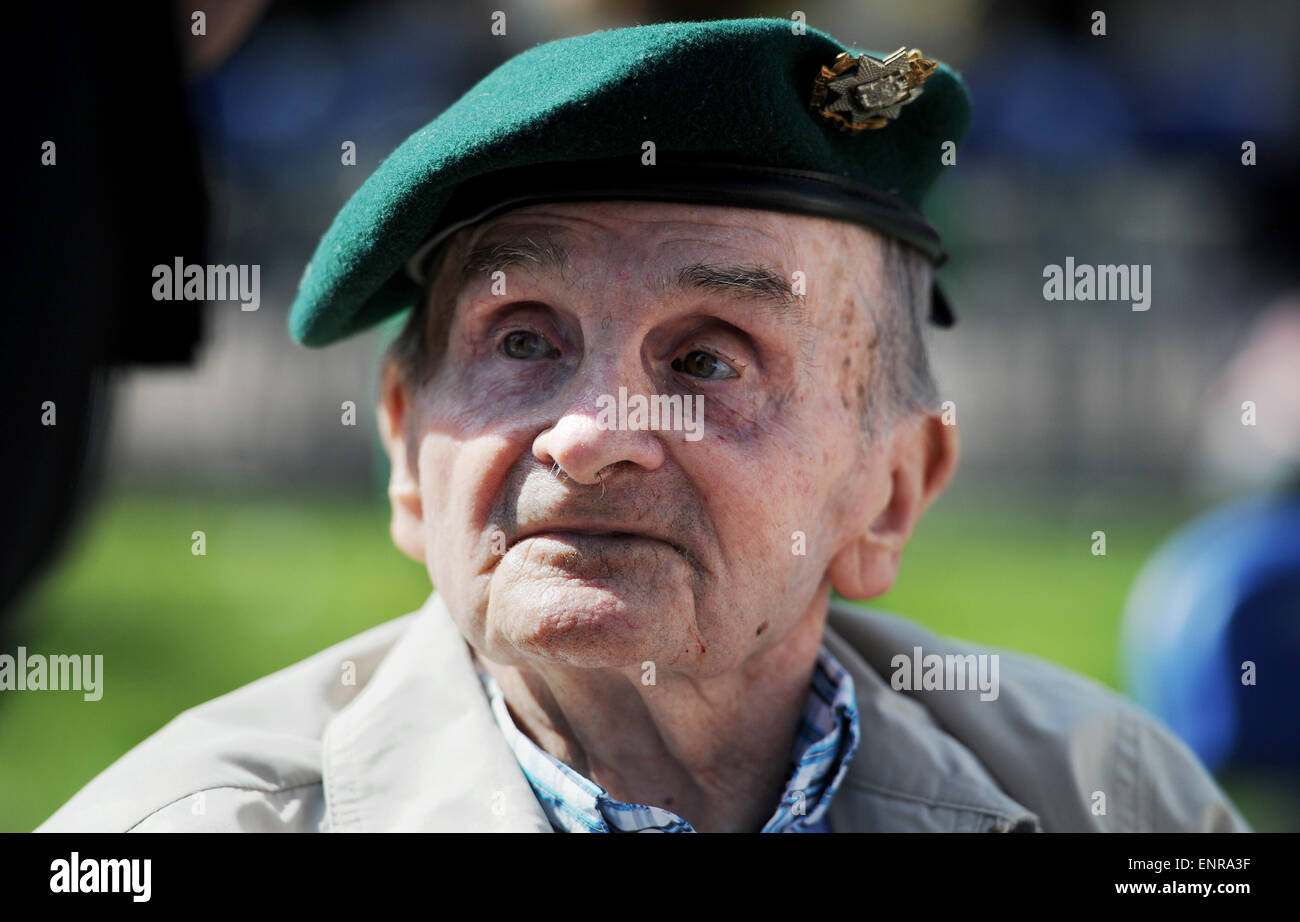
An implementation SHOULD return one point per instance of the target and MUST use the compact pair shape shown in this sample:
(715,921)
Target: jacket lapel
(418,749)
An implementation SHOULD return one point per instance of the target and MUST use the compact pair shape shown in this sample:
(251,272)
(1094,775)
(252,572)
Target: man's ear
(921,457)
(395,429)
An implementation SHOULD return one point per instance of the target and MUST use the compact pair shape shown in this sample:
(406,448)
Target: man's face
(555,540)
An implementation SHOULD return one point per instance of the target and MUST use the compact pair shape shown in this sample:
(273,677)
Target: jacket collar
(418,750)
(910,774)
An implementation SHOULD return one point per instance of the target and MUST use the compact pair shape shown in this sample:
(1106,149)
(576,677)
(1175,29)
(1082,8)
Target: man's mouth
(585,535)
(591,537)
(601,536)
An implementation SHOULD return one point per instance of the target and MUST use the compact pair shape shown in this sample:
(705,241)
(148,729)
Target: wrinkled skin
(629,548)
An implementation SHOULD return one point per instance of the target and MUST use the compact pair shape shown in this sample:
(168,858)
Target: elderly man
(662,391)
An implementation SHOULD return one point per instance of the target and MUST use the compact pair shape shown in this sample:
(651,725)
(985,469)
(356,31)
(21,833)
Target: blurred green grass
(282,578)
(285,576)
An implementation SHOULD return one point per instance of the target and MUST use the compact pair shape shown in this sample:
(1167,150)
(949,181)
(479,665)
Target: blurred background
(1076,417)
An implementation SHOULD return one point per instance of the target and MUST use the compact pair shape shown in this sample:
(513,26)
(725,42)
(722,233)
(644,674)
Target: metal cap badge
(874,92)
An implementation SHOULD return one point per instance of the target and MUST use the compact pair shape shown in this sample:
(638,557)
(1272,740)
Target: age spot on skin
(846,375)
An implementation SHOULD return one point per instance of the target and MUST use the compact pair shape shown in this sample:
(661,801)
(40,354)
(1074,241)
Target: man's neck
(715,751)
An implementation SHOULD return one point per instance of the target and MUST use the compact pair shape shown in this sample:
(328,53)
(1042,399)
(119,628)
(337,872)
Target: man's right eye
(527,346)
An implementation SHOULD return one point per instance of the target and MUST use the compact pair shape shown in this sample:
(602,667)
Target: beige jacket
(411,745)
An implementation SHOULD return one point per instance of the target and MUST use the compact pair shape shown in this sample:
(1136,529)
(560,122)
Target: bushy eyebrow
(496,256)
(754,281)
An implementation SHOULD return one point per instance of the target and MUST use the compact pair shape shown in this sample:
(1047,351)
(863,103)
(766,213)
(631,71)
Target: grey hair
(410,349)
(902,382)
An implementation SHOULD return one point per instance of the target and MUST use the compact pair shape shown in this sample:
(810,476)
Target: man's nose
(583,444)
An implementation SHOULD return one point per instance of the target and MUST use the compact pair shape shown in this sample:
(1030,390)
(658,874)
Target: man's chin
(585,624)
(623,610)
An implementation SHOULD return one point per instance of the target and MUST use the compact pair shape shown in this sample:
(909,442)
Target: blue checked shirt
(827,738)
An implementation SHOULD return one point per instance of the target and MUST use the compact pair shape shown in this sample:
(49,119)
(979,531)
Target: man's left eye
(526,345)
(701,364)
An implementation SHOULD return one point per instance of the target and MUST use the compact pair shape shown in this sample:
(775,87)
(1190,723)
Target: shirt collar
(827,737)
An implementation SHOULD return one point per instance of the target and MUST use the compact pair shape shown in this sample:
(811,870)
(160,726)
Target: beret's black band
(702,183)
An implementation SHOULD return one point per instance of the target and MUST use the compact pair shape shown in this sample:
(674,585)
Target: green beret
(746,112)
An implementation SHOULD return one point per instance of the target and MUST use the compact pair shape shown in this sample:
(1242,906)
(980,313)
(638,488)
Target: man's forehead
(742,253)
(662,225)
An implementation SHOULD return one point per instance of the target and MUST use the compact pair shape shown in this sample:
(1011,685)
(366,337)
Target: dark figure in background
(124,193)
